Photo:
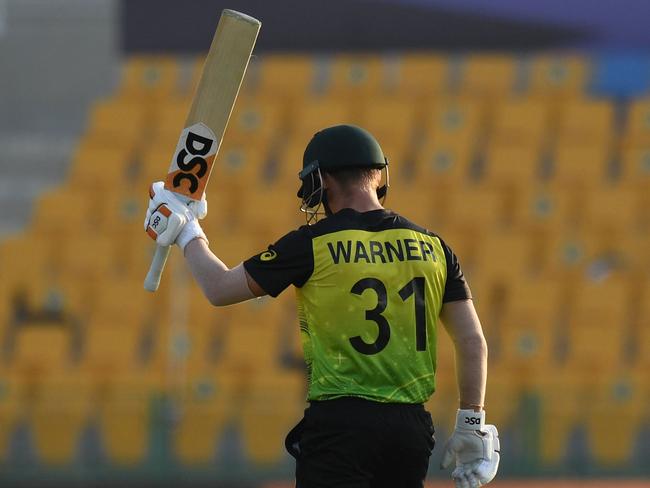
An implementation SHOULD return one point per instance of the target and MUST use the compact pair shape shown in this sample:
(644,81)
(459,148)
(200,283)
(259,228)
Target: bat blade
(198,145)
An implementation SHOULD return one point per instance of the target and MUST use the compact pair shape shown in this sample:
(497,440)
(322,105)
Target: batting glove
(475,448)
(169,220)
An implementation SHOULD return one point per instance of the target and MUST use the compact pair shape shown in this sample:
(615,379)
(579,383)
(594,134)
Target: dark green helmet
(341,147)
(333,149)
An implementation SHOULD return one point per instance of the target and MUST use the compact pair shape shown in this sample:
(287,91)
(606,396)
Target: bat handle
(152,281)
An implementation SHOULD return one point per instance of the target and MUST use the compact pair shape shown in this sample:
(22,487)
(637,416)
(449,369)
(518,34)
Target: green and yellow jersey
(369,287)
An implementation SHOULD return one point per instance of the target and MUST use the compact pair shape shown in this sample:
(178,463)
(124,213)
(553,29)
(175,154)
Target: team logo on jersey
(268,256)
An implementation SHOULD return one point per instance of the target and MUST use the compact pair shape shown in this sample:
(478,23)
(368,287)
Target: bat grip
(152,281)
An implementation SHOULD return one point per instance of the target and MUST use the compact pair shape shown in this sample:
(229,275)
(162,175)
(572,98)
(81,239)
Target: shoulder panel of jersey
(369,311)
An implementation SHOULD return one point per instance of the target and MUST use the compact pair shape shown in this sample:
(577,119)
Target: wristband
(470,420)
(190,231)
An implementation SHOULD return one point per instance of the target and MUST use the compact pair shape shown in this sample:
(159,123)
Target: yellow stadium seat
(149,78)
(89,256)
(497,249)
(586,122)
(356,76)
(253,336)
(616,417)
(558,76)
(288,74)
(57,416)
(642,340)
(455,119)
(423,75)
(414,202)
(444,402)
(511,165)
(255,121)
(473,208)
(502,396)
(637,128)
(98,169)
(12,408)
(273,405)
(65,210)
(443,163)
(41,349)
(490,75)
(562,396)
(542,207)
(392,122)
(581,166)
(110,349)
(614,208)
(635,167)
(124,421)
(318,113)
(118,124)
(567,253)
(206,405)
(170,118)
(123,211)
(520,122)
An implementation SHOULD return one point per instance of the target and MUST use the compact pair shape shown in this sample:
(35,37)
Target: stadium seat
(352,76)
(586,122)
(502,396)
(149,78)
(256,121)
(110,349)
(455,119)
(12,408)
(581,166)
(392,122)
(613,209)
(52,211)
(271,408)
(635,167)
(488,75)
(637,127)
(520,122)
(97,169)
(57,416)
(253,337)
(561,394)
(440,163)
(543,207)
(41,349)
(568,253)
(206,405)
(170,118)
(316,114)
(117,124)
(287,75)
(471,208)
(558,76)
(124,421)
(511,166)
(422,75)
(89,256)
(505,257)
(615,418)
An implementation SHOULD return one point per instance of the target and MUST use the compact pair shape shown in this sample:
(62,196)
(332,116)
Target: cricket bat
(206,123)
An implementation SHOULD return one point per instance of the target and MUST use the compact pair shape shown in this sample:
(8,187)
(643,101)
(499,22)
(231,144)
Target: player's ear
(327,180)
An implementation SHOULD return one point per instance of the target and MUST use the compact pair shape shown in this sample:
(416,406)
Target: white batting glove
(169,220)
(475,448)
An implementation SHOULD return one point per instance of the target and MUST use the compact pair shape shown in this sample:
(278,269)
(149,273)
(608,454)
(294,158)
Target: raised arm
(220,285)
(463,325)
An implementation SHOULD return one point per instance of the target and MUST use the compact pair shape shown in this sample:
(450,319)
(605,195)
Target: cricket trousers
(355,443)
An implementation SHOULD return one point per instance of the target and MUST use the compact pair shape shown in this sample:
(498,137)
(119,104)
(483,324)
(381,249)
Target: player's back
(369,309)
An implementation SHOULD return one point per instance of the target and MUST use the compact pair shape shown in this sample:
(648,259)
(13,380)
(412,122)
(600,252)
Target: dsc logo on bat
(192,162)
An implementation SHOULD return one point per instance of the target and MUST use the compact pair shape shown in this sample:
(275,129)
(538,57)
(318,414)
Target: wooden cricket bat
(206,123)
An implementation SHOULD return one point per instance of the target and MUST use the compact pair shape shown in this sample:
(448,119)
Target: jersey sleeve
(290,261)
(456,287)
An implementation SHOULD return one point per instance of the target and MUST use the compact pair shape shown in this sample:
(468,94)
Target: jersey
(369,288)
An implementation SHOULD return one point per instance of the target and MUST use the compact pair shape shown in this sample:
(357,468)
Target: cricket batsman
(371,288)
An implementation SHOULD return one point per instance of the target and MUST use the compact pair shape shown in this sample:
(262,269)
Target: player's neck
(361,201)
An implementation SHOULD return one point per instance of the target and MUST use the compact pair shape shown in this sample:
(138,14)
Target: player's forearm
(471,370)
(220,285)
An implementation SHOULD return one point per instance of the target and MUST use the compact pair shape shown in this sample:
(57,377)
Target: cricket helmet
(334,149)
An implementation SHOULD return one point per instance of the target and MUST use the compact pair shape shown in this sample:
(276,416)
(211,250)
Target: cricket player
(371,288)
